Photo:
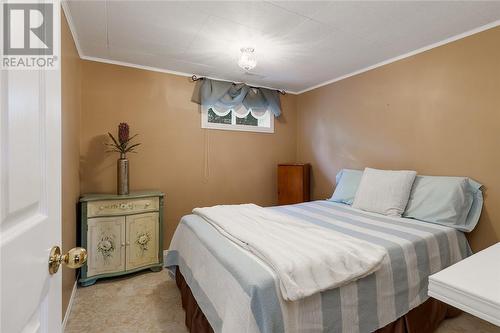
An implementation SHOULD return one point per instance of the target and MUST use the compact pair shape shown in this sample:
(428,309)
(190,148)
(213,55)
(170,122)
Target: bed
(226,288)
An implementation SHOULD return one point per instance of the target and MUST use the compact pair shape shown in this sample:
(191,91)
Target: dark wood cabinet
(293,183)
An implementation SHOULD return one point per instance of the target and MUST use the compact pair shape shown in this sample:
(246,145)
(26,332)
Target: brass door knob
(75,258)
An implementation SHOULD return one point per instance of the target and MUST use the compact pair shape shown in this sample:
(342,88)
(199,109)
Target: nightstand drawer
(122,207)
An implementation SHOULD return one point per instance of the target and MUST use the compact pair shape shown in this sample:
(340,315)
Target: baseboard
(70,305)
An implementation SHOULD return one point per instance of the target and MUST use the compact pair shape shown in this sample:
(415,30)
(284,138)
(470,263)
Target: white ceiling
(299,44)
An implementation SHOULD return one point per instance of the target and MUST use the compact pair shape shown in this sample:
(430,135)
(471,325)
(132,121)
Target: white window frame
(231,127)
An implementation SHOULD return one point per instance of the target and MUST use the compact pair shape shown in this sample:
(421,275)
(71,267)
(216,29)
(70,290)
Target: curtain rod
(195,78)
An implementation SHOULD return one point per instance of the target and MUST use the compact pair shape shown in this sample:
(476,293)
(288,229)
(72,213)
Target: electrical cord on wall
(206,162)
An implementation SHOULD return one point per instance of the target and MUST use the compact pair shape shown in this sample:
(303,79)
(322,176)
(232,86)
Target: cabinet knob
(101,208)
(147,204)
(123,244)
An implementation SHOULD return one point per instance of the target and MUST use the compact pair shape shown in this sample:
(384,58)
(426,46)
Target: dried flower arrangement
(123,144)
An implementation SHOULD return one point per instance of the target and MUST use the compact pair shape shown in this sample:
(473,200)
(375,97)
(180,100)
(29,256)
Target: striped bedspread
(239,293)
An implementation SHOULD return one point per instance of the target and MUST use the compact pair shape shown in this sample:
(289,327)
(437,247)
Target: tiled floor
(150,302)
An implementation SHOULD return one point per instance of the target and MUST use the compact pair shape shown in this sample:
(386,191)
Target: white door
(30,198)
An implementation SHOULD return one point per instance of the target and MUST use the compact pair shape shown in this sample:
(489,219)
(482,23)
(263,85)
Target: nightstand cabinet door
(105,245)
(293,183)
(142,240)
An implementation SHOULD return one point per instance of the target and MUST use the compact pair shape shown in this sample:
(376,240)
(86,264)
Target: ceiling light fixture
(247,59)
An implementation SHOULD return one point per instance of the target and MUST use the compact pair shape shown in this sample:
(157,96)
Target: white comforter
(307,258)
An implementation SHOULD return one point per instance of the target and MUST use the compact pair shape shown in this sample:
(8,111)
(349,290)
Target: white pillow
(384,192)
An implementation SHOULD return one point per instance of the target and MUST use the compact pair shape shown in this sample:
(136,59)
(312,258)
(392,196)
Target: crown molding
(72,29)
(406,55)
(167,71)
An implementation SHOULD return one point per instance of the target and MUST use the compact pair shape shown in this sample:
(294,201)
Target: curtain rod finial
(195,78)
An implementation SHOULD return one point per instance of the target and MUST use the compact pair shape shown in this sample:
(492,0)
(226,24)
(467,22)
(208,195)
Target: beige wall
(437,112)
(192,166)
(71,100)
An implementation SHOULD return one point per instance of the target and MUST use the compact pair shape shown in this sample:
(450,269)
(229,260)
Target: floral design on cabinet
(142,241)
(106,246)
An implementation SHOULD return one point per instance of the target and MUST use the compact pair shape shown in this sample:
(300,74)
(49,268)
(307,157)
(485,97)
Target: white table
(472,285)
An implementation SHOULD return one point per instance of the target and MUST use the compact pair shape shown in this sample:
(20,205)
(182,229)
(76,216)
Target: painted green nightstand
(122,234)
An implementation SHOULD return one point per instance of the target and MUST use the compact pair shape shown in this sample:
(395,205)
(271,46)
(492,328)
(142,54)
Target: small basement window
(237,120)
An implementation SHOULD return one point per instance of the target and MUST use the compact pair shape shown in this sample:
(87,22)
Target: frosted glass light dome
(247,59)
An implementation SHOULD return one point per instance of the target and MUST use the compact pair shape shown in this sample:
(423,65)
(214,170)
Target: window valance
(223,96)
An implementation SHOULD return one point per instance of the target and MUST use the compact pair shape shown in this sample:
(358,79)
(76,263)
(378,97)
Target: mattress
(238,292)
